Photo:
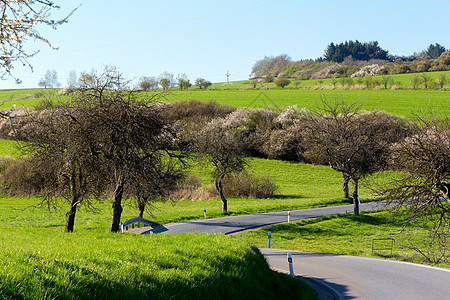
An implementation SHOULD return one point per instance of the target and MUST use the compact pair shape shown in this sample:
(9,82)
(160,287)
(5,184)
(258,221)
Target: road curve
(348,277)
(235,224)
(365,278)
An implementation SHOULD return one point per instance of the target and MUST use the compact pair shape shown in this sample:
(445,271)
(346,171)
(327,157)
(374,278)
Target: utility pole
(228,77)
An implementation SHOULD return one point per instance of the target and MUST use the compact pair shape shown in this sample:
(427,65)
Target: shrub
(21,177)
(244,185)
(282,82)
(196,110)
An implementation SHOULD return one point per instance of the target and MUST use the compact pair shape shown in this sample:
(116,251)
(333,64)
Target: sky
(208,38)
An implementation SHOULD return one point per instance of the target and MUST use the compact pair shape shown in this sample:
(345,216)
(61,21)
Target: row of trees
(166,81)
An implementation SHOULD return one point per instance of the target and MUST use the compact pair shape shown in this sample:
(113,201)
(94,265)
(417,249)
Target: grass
(46,264)
(345,235)
(8,148)
(399,102)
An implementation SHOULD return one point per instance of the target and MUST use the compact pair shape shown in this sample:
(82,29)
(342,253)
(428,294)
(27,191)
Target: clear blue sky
(205,38)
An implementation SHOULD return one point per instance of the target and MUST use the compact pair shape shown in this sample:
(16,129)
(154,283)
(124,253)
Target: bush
(282,82)
(20,177)
(196,110)
(244,185)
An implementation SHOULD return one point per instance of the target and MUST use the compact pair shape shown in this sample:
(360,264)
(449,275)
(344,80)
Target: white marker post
(270,238)
(291,266)
(204,212)
(289,216)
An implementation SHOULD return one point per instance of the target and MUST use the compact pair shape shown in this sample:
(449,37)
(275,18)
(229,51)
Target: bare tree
(50,80)
(423,189)
(58,142)
(132,138)
(352,142)
(20,21)
(221,146)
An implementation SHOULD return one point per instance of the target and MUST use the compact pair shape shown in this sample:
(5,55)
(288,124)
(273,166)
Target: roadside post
(270,238)
(289,216)
(291,266)
(204,212)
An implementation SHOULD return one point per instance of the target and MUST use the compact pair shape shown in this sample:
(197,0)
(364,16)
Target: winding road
(335,276)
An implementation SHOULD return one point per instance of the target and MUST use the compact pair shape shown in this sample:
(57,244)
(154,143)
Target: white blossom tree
(20,20)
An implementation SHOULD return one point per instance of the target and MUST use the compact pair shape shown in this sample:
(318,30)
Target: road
(235,224)
(340,276)
(365,278)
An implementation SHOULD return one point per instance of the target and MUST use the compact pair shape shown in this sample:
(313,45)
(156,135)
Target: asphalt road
(340,276)
(235,224)
(365,278)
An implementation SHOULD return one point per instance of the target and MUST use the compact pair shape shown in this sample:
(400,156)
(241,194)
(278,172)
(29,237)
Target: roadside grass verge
(346,235)
(42,264)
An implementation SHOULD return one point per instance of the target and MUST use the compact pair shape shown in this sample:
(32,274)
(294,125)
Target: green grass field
(399,102)
(48,264)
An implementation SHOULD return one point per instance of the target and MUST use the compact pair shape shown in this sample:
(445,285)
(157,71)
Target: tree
(58,142)
(131,138)
(425,79)
(72,79)
(221,146)
(50,80)
(148,83)
(282,82)
(166,80)
(202,83)
(21,21)
(350,141)
(442,80)
(434,51)
(355,49)
(423,189)
(386,81)
(184,83)
(415,82)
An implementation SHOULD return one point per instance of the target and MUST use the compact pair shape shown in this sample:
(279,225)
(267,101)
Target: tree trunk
(222,197)
(74,200)
(70,217)
(345,190)
(355,197)
(117,205)
(141,206)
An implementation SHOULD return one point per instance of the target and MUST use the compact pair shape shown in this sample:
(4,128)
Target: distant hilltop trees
(351,59)
(357,50)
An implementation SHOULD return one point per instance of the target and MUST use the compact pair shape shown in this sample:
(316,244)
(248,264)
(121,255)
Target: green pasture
(348,235)
(400,102)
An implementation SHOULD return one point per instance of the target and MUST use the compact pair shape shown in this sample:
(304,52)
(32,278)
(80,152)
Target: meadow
(39,261)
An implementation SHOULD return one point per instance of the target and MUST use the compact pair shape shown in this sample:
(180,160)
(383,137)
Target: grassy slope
(44,264)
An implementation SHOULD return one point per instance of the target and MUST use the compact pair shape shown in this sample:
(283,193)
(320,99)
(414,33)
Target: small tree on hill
(351,142)
(220,145)
(282,82)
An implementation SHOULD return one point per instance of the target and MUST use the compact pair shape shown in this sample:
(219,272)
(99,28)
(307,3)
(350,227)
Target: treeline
(349,58)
